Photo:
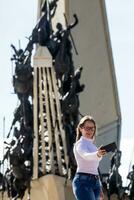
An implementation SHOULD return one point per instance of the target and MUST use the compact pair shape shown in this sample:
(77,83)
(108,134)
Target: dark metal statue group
(113,183)
(19,152)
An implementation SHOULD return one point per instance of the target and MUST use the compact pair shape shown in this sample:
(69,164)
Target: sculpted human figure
(130,176)
(63,59)
(114,183)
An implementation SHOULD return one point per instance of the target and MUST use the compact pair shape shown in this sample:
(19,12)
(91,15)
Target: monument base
(51,187)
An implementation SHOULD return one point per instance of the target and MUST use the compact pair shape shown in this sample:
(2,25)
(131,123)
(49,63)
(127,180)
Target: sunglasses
(87,128)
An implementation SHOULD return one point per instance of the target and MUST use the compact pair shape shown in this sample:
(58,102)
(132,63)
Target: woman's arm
(87,155)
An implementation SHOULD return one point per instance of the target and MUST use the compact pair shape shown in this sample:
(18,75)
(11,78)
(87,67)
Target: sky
(121,27)
(18,18)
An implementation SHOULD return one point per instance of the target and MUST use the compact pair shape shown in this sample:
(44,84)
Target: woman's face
(88,130)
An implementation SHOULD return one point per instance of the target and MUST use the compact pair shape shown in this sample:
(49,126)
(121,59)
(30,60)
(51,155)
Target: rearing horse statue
(63,58)
(114,183)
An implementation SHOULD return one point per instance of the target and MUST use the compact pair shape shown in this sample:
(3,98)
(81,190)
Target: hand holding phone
(109,147)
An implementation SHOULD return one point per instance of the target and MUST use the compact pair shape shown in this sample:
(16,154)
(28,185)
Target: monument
(49,93)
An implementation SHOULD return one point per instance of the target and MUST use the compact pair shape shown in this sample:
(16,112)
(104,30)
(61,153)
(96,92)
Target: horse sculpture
(63,58)
(130,176)
(114,182)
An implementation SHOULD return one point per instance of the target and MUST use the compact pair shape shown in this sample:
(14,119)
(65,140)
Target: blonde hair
(81,124)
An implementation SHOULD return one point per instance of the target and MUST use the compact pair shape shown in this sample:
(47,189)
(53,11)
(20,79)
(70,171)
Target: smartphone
(109,147)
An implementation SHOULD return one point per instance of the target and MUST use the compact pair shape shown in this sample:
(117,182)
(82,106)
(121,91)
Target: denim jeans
(86,187)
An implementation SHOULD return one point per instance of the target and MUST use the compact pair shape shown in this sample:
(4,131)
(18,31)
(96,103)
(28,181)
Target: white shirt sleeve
(86,155)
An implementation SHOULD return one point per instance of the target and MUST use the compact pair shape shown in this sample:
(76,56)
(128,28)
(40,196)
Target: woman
(86,183)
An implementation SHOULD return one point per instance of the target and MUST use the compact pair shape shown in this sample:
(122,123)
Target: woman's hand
(101,152)
(101,195)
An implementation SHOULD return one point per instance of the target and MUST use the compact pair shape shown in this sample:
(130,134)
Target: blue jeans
(86,187)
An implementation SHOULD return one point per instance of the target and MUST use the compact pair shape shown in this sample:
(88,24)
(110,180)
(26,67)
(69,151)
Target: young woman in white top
(86,183)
